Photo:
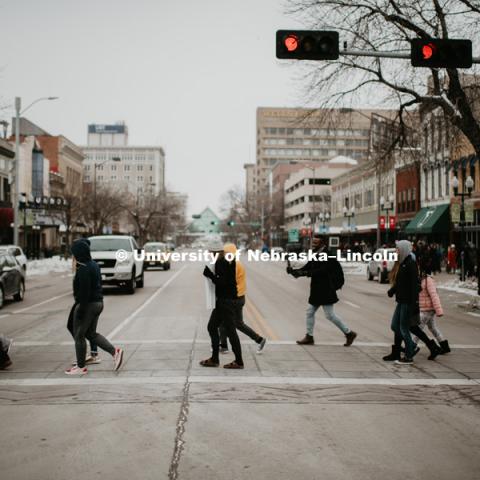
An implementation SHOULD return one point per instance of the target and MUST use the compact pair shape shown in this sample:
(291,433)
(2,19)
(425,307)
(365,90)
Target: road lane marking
(141,307)
(261,320)
(473,314)
(351,304)
(14,312)
(206,341)
(258,380)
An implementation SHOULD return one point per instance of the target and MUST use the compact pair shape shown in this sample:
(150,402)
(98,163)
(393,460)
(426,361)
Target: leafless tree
(100,209)
(155,215)
(388,25)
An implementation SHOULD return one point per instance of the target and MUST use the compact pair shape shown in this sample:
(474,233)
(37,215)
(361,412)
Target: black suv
(12,281)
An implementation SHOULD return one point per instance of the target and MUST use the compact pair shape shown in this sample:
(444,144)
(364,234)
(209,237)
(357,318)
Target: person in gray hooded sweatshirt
(405,283)
(87,290)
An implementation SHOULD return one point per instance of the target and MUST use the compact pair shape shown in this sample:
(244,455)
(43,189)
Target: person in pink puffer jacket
(430,307)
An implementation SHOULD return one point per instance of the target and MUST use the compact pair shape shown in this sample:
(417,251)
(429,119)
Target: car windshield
(110,244)
(154,247)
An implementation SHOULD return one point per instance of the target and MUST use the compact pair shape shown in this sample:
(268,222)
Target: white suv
(114,255)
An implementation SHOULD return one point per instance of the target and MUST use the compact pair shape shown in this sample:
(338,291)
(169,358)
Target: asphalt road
(321,412)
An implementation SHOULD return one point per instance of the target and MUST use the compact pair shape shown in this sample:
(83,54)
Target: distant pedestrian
(452,259)
(225,311)
(326,279)
(87,290)
(5,346)
(241,285)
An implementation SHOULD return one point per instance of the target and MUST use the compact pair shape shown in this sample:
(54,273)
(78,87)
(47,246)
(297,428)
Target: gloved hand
(289,270)
(391,292)
(208,273)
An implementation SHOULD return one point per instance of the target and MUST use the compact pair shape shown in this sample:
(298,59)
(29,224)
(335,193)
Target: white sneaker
(117,359)
(76,371)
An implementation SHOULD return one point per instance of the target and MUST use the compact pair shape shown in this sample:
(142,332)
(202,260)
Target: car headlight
(124,263)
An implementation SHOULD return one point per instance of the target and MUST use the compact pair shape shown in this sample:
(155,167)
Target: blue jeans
(329,313)
(401,328)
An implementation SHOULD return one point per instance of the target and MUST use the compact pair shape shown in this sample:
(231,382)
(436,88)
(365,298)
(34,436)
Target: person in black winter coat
(322,292)
(87,290)
(225,312)
(406,287)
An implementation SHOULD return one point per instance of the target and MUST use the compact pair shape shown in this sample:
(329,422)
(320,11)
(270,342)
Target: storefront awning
(430,220)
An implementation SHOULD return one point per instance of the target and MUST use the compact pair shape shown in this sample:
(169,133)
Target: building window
(440,182)
(140,178)
(433,183)
(140,168)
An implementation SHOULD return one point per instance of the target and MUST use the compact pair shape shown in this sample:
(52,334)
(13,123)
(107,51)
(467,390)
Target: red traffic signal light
(307,44)
(435,53)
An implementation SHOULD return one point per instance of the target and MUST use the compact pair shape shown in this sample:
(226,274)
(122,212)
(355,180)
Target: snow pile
(468,287)
(354,268)
(45,266)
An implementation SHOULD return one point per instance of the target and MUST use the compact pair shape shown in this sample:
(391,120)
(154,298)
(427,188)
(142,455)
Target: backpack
(336,275)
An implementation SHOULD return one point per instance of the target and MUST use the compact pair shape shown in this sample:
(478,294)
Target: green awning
(430,220)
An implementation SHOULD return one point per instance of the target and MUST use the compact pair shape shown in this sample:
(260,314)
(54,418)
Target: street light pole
(469,187)
(387,206)
(16,169)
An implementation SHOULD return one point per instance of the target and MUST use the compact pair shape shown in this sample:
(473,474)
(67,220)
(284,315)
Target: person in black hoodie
(226,306)
(87,290)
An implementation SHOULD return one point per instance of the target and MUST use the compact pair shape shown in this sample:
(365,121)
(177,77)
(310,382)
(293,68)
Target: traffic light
(231,223)
(434,53)
(307,44)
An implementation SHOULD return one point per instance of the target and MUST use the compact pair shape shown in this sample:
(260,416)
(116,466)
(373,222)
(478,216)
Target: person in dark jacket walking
(406,287)
(322,292)
(227,304)
(5,345)
(87,290)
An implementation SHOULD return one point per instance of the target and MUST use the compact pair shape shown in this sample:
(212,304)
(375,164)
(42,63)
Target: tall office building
(110,161)
(286,135)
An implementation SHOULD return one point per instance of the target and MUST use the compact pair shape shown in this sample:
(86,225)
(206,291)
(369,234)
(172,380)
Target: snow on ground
(468,287)
(45,266)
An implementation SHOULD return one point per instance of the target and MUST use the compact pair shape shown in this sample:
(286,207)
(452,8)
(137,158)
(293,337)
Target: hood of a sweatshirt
(404,249)
(81,251)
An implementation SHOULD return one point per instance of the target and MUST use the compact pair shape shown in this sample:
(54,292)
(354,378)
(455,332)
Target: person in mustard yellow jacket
(240,303)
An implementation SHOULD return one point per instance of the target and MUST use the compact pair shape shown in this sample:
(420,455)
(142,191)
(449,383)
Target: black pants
(416,330)
(85,326)
(93,347)
(239,325)
(224,314)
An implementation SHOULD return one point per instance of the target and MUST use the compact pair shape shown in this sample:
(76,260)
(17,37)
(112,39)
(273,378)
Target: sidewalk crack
(182,417)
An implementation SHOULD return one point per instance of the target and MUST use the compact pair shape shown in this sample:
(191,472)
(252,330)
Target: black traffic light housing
(437,53)
(307,44)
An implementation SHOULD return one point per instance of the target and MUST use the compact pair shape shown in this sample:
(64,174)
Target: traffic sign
(293,235)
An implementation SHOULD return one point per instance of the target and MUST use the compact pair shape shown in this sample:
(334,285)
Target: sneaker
(261,346)
(223,349)
(76,371)
(117,359)
(404,361)
(93,360)
(350,336)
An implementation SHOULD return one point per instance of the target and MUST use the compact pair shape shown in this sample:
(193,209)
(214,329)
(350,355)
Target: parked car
(380,269)
(156,247)
(121,269)
(17,252)
(12,278)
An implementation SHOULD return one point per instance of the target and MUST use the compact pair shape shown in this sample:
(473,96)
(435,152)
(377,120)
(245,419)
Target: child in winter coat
(430,307)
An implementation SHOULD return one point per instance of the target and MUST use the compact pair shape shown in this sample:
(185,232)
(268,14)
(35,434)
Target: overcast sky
(187,75)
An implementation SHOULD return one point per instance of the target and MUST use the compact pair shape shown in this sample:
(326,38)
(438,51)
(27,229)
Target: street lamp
(324,218)
(348,214)
(95,166)
(15,196)
(469,187)
(387,207)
